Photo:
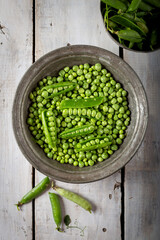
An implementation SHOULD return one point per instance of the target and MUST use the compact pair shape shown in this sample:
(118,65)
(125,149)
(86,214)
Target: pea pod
(49,127)
(57,89)
(155,3)
(77,131)
(116,4)
(133,5)
(130,35)
(133,17)
(143,26)
(82,202)
(82,112)
(145,7)
(56,209)
(92,144)
(81,103)
(35,192)
(154,38)
(127,23)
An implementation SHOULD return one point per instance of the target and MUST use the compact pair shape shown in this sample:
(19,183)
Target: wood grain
(15,171)
(58,23)
(142,192)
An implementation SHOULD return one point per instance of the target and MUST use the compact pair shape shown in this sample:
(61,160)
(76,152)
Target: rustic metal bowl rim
(16,121)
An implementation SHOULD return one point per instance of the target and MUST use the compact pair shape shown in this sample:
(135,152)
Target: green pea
(91,162)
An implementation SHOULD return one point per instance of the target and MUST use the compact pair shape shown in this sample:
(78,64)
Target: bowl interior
(50,64)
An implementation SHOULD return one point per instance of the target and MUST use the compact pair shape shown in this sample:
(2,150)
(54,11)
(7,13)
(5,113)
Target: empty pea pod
(127,23)
(57,89)
(82,202)
(133,5)
(77,131)
(116,4)
(49,127)
(35,192)
(130,35)
(81,103)
(56,209)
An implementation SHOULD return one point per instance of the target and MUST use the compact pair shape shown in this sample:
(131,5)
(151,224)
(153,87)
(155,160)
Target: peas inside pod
(79,117)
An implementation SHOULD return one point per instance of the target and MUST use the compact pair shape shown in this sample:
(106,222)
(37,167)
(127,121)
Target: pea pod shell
(134,5)
(56,209)
(127,23)
(35,192)
(116,4)
(93,147)
(70,86)
(130,35)
(81,103)
(82,202)
(46,131)
(77,131)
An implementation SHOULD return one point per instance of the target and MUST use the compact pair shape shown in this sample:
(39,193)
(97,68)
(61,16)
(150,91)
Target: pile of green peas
(91,81)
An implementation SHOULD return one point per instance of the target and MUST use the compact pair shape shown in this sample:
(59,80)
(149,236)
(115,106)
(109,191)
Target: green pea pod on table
(82,202)
(49,127)
(127,23)
(56,209)
(35,192)
(77,131)
(130,35)
(81,103)
(57,89)
(133,5)
(116,4)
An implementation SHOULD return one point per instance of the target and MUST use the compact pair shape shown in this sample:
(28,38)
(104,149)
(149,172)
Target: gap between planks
(33,169)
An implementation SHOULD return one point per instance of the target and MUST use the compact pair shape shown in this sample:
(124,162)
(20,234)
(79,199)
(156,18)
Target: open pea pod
(93,144)
(116,4)
(81,103)
(77,131)
(57,89)
(130,35)
(127,23)
(49,127)
(82,112)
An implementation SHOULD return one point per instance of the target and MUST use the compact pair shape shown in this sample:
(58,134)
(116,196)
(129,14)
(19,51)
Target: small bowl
(50,64)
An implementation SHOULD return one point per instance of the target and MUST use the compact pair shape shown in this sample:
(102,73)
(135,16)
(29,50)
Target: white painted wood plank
(15,171)
(77,22)
(142,192)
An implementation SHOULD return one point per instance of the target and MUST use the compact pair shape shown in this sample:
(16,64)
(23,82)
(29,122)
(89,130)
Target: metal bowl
(50,64)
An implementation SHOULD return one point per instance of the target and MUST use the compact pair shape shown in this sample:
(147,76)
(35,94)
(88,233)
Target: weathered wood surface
(142,175)
(58,23)
(77,22)
(15,171)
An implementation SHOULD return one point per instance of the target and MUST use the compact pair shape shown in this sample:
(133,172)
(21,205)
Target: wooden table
(127,204)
